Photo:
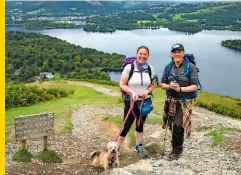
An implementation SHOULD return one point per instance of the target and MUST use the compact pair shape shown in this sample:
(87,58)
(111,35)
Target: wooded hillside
(29,54)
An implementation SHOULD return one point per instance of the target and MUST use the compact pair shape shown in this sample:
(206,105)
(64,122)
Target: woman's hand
(144,93)
(134,96)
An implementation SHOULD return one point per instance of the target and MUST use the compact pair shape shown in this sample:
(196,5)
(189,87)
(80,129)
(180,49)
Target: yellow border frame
(2,79)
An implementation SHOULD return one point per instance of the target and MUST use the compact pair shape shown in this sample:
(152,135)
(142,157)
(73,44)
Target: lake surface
(220,67)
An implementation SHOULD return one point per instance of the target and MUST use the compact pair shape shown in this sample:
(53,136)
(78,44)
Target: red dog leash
(127,115)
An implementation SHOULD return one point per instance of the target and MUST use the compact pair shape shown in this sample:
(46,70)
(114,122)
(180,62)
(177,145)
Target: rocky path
(198,156)
(90,133)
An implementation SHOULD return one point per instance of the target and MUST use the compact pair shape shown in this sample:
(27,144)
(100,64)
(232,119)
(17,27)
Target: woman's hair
(143,47)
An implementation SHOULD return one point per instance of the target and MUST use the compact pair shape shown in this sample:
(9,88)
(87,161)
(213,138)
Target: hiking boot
(139,149)
(175,155)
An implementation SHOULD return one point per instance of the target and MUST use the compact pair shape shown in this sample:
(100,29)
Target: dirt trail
(96,87)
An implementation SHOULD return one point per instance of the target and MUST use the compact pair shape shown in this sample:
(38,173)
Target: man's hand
(175,86)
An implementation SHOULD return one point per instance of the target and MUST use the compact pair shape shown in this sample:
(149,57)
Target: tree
(45,67)
(77,59)
(87,64)
(77,65)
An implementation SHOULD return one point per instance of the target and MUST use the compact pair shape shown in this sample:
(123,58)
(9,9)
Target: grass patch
(178,17)
(68,127)
(118,121)
(217,137)
(220,104)
(154,120)
(49,156)
(22,155)
(143,22)
(217,134)
(210,9)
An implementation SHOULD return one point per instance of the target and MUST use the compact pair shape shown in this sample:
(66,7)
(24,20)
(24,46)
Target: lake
(219,66)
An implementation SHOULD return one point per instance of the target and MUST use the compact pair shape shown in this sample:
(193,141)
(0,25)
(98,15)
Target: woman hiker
(137,87)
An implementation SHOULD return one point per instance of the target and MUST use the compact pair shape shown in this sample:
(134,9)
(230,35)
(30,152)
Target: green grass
(154,120)
(68,126)
(220,104)
(49,156)
(217,137)
(192,21)
(143,21)
(178,17)
(63,22)
(118,121)
(210,9)
(217,134)
(22,155)
(62,108)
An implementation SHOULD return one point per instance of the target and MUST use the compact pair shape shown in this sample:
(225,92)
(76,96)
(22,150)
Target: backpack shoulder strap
(132,71)
(188,72)
(187,67)
(168,69)
(149,71)
(150,75)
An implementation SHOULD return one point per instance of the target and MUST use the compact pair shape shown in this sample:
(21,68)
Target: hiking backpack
(188,58)
(131,60)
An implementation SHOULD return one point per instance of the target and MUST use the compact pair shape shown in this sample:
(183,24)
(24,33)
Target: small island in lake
(232,44)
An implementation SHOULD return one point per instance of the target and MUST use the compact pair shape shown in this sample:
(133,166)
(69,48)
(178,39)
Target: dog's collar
(112,159)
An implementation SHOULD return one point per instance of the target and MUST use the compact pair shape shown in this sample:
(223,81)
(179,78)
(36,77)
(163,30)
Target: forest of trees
(232,44)
(29,54)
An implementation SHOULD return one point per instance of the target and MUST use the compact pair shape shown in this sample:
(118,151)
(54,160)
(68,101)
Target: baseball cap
(177,47)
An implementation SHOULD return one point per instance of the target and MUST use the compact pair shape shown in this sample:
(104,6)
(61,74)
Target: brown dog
(108,158)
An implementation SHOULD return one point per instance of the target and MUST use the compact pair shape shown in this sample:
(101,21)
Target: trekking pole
(127,115)
(172,123)
(164,140)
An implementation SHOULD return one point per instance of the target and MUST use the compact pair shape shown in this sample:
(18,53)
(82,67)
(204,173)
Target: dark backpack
(131,60)
(188,58)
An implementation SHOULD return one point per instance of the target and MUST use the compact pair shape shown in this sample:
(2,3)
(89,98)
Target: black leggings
(131,119)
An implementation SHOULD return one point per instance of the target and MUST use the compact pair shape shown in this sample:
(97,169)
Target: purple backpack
(128,60)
